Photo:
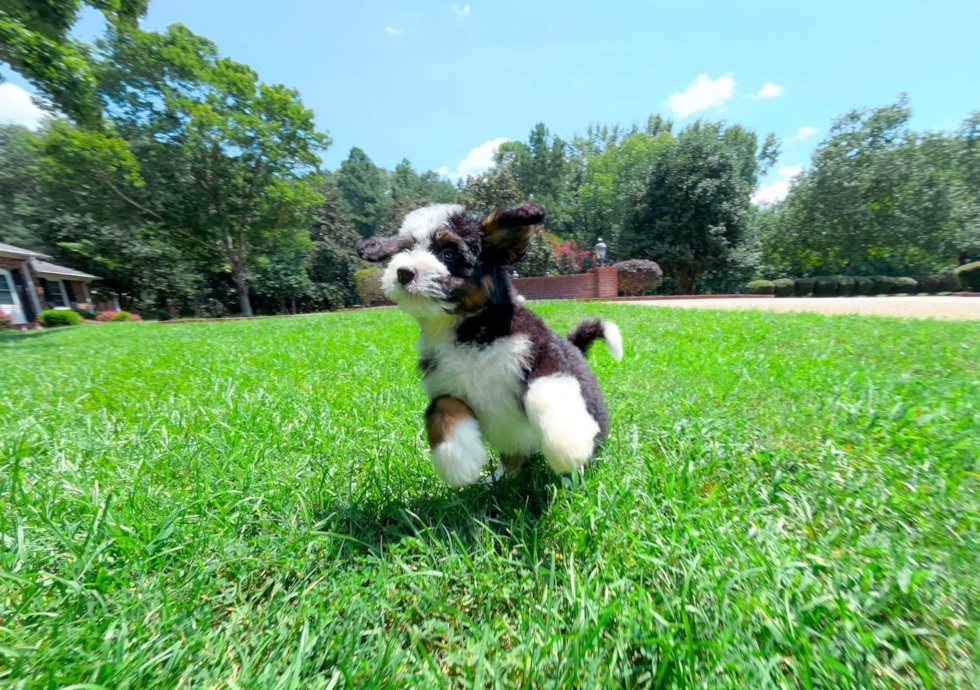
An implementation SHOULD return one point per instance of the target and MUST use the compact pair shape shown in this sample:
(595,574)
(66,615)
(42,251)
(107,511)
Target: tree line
(175,173)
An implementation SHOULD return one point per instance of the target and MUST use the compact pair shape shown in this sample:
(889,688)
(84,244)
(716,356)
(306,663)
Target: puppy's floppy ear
(506,231)
(377,248)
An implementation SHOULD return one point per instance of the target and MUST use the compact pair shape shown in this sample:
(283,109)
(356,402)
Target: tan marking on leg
(442,416)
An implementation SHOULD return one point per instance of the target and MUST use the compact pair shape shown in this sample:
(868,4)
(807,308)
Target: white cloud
(769,90)
(16,107)
(777,191)
(804,133)
(460,12)
(394,32)
(478,160)
(703,93)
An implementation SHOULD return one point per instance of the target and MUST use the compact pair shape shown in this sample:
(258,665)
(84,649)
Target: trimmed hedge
(845,285)
(947,282)
(156,314)
(5,323)
(803,287)
(636,276)
(84,313)
(761,287)
(113,316)
(784,287)
(906,286)
(51,318)
(863,285)
(928,284)
(968,276)
(825,286)
(367,283)
(883,285)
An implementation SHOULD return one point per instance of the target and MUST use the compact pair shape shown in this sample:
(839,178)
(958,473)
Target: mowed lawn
(784,501)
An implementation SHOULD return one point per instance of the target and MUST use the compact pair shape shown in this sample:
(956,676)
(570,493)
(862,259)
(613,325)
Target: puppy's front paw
(557,410)
(459,460)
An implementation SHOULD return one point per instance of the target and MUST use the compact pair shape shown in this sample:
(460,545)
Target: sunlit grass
(784,501)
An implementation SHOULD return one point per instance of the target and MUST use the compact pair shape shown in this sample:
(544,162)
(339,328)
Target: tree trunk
(241,284)
(292,305)
(685,280)
(850,267)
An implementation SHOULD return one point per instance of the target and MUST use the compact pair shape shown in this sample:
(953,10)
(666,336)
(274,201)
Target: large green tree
(405,183)
(542,169)
(35,41)
(363,187)
(689,211)
(199,149)
(488,191)
(333,259)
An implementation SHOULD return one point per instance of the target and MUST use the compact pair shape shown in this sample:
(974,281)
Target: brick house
(29,284)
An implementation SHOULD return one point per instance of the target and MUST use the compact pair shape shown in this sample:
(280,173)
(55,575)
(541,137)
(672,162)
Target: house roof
(44,268)
(11,250)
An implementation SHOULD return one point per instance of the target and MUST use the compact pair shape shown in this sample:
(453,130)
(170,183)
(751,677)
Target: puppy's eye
(447,254)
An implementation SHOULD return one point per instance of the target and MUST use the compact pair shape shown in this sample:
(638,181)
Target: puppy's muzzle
(406,274)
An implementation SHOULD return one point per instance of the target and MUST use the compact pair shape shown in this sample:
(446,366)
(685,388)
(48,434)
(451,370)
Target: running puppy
(490,367)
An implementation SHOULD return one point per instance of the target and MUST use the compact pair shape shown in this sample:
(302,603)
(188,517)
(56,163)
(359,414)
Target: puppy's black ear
(506,231)
(377,248)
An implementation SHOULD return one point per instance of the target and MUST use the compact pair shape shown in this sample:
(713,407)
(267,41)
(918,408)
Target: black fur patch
(427,365)
(585,333)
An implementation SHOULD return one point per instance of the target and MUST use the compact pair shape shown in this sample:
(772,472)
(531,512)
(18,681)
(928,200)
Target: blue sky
(440,83)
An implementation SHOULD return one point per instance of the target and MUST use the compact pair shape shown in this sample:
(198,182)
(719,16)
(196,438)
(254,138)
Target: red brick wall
(595,283)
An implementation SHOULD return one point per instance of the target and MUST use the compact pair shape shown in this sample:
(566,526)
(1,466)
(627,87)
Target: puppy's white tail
(613,338)
(586,332)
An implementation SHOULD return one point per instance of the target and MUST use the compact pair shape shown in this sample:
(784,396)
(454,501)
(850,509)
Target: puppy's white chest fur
(490,379)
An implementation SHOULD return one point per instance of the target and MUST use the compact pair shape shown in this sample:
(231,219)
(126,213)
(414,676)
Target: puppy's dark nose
(406,274)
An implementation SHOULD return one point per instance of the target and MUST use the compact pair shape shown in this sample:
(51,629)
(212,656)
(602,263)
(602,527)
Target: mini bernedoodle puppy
(491,368)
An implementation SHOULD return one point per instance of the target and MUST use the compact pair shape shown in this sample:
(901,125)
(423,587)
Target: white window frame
(8,277)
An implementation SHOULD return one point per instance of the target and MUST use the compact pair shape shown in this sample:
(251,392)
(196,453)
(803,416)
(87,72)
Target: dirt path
(916,307)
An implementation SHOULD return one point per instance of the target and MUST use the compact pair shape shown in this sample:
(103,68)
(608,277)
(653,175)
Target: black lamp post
(600,252)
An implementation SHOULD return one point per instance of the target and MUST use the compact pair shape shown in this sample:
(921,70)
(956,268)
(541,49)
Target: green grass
(785,500)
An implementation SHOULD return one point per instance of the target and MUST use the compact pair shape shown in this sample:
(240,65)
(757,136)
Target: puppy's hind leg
(458,453)
(557,411)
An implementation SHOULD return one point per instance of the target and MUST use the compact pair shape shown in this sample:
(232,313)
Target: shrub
(906,286)
(928,284)
(156,314)
(5,323)
(784,287)
(845,285)
(51,318)
(824,286)
(968,276)
(112,316)
(636,276)
(883,285)
(761,287)
(947,282)
(134,317)
(803,287)
(367,282)
(84,313)
(863,285)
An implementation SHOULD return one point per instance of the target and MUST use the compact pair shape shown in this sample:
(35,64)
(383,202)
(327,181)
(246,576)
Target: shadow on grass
(510,510)
(12,336)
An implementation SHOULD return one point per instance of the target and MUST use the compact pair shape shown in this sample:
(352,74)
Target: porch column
(31,287)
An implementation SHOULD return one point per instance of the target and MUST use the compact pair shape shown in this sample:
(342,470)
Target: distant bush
(928,284)
(134,317)
(863,285)
(5,323)
(906,286)
(84,313)
(968,276)
(51,318)
(113,316)
(761,287)
(825,286)
(947,282)
(156,314)
(367,282)
(785,287)
(845,285)
(883,285)
(637,276)
(803,287)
